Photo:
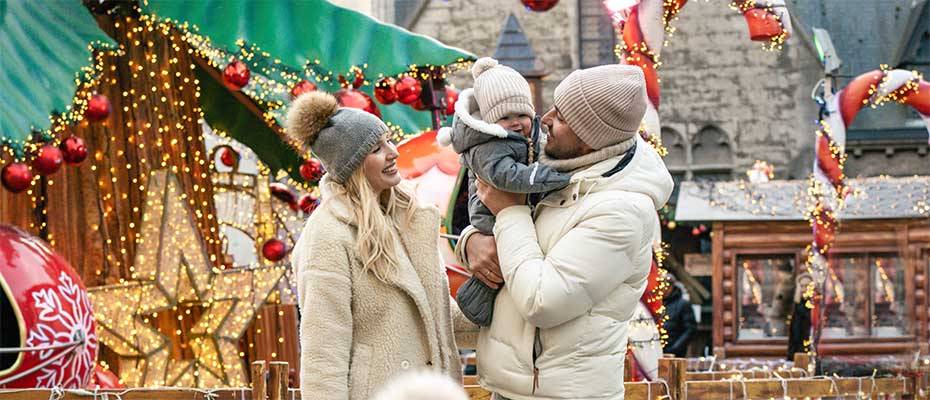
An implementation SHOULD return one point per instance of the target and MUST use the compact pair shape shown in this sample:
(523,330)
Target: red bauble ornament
(539,5)
(236,75)
(274,250)
(73,150)
(48,161)
(54,310)
(695,231)
(452,96)
(98,108)
(301,88)
(311,170)
(408,90)
(228,156)
(384,91)
(357,99)
(308,203)
(16,177)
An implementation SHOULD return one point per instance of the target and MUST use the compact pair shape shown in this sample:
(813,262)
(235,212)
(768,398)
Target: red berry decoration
(228,156)
(48,161)
(452,96)
(98,108)
(311,170)
(274,250)
(301,88)
(384,91)
(408,90)
(357,99)
(73,150)
(308,203)
(236,75)
(16,177)
(695,231)
(281,192)
(539,5)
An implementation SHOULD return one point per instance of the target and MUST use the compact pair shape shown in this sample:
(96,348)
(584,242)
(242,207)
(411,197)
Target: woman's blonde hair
(375,216)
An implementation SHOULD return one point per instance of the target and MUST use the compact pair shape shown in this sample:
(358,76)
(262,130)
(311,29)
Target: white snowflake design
(77,318)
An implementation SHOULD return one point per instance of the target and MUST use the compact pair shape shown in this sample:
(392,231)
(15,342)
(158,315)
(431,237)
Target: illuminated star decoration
(172,268)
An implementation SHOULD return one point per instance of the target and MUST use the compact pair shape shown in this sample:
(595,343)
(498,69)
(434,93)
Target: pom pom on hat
(309,114)
(483,64)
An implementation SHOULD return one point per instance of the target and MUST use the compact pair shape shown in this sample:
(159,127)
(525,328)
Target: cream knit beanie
(604,105)
(500,90)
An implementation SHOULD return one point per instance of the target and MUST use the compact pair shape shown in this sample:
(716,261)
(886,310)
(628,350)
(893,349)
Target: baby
(496,131)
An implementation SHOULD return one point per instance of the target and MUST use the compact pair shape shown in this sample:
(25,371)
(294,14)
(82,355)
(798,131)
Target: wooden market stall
(876,296)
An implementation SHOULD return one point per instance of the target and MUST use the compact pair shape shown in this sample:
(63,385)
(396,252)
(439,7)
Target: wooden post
(674,372)
(258,380)
(803,361)
(628,368)
(277,383)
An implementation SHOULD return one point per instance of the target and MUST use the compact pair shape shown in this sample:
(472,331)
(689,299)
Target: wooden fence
(675,383)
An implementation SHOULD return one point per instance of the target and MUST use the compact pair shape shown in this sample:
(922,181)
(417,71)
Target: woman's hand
(481,252)
(497,200)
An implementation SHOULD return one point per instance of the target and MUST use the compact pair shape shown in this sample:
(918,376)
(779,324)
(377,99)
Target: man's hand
(497,200)
(481,252)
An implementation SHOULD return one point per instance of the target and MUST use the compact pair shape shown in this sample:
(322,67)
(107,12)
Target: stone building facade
(725,101)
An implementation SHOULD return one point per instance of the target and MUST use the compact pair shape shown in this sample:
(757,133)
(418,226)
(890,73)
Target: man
(574,267)
(680,324)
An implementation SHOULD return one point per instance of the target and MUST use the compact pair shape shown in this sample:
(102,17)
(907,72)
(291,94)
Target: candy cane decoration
(642,26)
(828,186)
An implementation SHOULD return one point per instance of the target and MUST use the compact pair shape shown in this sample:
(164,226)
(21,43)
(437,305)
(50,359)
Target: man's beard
(558,153)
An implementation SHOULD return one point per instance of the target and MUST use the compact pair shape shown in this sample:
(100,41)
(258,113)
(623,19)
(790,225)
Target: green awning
(43,47)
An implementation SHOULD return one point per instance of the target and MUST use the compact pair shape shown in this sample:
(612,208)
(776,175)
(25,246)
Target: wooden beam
(258,380)
(795,388)
(277,381)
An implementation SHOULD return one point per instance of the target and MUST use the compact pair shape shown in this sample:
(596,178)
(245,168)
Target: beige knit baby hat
(604,105)
(500,90)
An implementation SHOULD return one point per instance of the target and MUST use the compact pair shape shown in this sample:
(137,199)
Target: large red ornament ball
(408,90)
(236,75)
(98,108)
(539,5)
(73,150)
(357,99)
(16,177)
(54,315)
(384,91)
(452,96)
(311,170)
(48,161)
(308,203)
(228,156)
(274,250)
(301,88)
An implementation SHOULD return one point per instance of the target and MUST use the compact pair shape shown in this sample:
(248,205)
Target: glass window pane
(766,293)
(846,300)
(889,315)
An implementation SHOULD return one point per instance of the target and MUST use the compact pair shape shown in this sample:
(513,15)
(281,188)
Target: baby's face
(519,123)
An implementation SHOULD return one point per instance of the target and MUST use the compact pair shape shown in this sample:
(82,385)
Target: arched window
(674,142)
(711,155)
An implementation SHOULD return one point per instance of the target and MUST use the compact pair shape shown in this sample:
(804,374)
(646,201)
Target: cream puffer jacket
(575,267)
(357,332)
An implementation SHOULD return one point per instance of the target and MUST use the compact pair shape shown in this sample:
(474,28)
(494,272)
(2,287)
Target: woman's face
(380,166)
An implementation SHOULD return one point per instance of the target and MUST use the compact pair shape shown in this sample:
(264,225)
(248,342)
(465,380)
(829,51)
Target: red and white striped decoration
(874,89)
(643,25)
(828,187)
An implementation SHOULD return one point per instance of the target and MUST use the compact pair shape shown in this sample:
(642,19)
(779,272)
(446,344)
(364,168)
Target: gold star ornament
(172,271)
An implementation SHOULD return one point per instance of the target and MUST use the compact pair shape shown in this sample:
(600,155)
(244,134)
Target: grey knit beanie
(604,105)
(340,137)
(500,90)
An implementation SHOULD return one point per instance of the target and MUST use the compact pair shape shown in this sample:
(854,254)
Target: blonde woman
(374,298)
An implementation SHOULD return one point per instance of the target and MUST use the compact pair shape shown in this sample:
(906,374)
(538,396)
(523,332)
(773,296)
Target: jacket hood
(646,173)
(468,129)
